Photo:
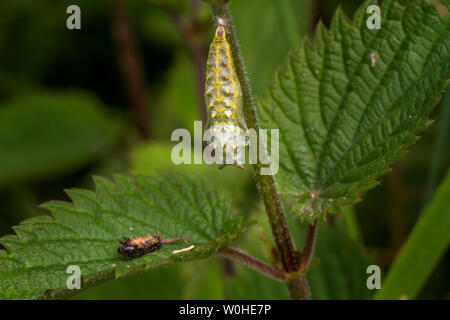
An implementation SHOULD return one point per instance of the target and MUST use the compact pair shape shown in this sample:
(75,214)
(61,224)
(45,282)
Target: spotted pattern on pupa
(223,97)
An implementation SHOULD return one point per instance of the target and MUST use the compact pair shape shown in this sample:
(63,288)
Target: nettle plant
(347,104)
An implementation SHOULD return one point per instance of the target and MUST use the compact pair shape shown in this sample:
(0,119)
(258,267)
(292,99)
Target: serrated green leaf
(86,233)
(44,134)
(344,116)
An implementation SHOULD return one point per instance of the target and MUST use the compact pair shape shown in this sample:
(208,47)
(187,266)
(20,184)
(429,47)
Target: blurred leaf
(200,279)
(46,134)
(440,146)
(287,16)
(351,223)
(341,271)
(160,284)
(178,106)
(13,84)
(180,5)
(204,280)
(153,157)
(263,24)
(250,284)
(154,21)
(18,203)
(86,233)
(339,268)
(343,116)
(427,243)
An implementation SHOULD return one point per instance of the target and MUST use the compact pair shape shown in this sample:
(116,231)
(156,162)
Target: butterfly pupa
(226,128)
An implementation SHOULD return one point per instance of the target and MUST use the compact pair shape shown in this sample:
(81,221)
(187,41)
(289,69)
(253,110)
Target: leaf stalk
(252,262)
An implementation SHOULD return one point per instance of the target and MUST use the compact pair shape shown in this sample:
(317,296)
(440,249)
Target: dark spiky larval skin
(139,246)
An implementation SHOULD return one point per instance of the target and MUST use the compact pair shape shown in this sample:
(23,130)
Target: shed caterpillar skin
(131,248)
(223,99)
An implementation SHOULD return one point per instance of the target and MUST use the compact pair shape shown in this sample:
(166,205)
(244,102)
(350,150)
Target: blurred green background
(68,111)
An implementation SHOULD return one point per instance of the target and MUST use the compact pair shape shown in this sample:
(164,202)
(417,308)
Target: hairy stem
(296,283)
(252,262)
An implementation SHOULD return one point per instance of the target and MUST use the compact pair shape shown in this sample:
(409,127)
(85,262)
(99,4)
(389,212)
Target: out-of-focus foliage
(427,243)
(178,106)
(340,272)
(164,283)
(267,34)
(48,133)
(337,272)
(152,157)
